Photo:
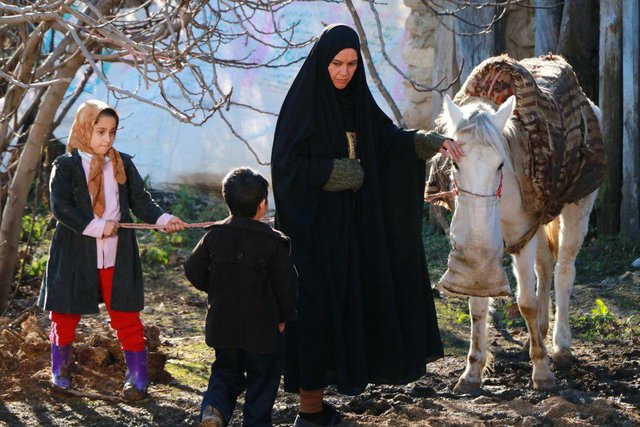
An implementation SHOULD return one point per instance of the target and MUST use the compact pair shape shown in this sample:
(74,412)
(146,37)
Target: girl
(91,259)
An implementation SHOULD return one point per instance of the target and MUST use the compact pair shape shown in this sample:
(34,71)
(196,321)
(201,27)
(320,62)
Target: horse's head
(475,261)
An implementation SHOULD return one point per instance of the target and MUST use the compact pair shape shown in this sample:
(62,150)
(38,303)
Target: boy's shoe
(136,379)
(211,417)
(61,361)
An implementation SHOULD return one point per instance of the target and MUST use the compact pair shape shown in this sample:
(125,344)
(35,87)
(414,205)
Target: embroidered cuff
(427,143)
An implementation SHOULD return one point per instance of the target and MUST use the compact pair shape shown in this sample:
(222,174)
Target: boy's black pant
(228,381)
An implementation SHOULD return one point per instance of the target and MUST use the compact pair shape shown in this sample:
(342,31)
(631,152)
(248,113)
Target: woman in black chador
(348,188)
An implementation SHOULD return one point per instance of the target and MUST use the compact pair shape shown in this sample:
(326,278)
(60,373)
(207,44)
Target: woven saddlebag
(557,149)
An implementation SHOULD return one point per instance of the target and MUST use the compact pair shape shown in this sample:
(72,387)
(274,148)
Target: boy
(244,266)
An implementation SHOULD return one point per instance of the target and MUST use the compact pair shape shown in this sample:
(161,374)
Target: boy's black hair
(109,112)
(243,190)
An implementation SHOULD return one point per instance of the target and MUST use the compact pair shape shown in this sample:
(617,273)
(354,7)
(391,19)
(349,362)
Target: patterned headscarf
(80,138)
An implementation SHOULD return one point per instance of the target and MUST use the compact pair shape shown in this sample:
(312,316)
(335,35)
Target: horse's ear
(452,111)
(501,116)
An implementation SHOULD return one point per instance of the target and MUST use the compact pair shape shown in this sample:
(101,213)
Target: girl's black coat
(70,284)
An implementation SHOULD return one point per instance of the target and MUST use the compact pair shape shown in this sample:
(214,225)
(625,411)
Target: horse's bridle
(457,190)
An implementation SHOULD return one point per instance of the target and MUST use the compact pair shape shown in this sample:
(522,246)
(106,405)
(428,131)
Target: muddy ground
(602,387)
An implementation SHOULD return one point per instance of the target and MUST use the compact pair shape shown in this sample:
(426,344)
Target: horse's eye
(500,167)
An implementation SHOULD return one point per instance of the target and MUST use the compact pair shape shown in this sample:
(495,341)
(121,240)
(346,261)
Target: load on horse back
(534,158)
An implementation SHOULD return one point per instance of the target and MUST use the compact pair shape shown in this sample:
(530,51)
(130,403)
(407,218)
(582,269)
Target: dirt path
(602,388)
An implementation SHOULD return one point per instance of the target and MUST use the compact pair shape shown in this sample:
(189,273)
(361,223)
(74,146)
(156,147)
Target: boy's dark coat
(245,268)
(70,284)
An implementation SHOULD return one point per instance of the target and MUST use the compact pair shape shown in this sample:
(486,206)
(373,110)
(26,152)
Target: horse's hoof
(545,385)
(563,359)
(466,387)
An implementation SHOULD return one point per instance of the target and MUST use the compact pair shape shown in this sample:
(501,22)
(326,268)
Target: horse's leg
(544,273)
(574,222)
(471,378)
(524,271)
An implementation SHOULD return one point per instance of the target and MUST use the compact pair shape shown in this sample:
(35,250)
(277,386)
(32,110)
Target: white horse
(484,220)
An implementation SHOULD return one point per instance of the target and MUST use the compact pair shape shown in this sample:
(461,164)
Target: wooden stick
(21,318)
(96,373)
(91,395)
(13,337)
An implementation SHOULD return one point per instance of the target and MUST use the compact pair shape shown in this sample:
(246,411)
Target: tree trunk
(630,206)
(474,49)
(547,26)
(609,196)
(15,94)
(23,179)
(578,42)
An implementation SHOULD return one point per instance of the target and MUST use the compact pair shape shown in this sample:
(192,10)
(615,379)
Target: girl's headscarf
(80,138)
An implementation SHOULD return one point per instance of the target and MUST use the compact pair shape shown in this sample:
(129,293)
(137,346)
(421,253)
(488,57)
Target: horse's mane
(480,128)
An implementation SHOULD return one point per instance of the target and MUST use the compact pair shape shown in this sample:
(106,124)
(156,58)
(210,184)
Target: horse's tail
(597,112)
(552,232)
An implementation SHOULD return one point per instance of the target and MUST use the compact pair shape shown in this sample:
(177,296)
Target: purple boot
(135,380)
(61,361)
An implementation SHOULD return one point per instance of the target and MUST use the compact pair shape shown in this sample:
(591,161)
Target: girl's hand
(174,224)
(110,228)
(452,149)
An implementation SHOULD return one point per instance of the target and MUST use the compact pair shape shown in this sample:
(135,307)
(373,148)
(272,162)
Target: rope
(515,248)
(456,190)
(522,242)
(441,195)
(510,249)
(141,226)
(158,227)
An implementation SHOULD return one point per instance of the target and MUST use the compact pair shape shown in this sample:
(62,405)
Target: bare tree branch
(27,17)
(173,45)
(460,9)
(364,47)
(419,87)
(74,97)
(14,81)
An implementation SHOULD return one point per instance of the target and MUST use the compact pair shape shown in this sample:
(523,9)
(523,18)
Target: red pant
(127,324)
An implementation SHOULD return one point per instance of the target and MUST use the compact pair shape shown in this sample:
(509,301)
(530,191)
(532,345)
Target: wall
(430,55)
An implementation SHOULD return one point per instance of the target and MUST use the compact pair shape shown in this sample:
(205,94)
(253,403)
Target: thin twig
(364,47)
(419,87)
(91,395)
(33,85)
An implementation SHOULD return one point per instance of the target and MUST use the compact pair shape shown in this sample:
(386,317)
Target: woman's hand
(452,149)
(110,228)
(174,224)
